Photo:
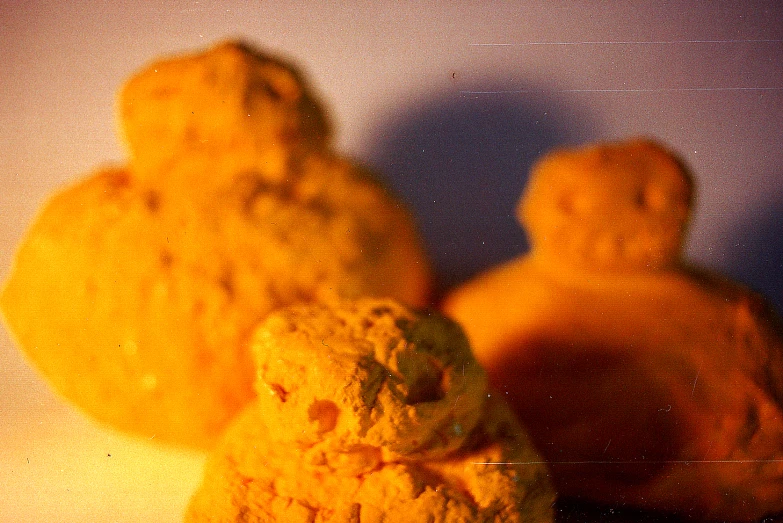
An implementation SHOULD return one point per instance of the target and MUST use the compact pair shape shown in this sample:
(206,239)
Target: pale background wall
(451,101)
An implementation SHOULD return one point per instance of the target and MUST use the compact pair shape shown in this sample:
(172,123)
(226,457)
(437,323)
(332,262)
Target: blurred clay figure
(644,381)
(135,290)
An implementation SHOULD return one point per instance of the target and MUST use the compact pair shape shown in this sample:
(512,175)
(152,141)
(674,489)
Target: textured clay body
(643,381)
(136,289)
(370,412)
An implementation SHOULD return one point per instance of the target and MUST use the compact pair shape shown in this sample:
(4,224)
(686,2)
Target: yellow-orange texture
(368,411)
(643,381)
(136,289)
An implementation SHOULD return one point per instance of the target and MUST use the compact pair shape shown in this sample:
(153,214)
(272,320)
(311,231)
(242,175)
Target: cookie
(643,380)
(135,290)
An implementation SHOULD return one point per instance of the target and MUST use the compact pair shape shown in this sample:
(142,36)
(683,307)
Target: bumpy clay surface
(643,381)
(356,385)
(495,479)
(368,377)
(231,98)
(135,291)
(614,207)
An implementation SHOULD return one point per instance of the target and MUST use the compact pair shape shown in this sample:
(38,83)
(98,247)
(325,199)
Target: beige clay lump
(368,411)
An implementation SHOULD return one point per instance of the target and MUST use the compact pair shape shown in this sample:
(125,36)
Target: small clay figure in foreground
(369,412)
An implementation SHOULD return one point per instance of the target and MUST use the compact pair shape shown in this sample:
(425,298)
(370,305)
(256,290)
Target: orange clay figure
(368,411)
(643,381)
(136,290)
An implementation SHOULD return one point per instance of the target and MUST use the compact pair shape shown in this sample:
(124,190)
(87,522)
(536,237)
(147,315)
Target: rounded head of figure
(230,99)
(619,205)
(367,377)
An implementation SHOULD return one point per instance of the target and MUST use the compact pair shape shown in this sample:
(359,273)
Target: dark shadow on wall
(754,254)
(462,160)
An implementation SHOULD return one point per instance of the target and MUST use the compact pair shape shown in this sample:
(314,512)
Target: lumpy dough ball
(367,380)
(135,290)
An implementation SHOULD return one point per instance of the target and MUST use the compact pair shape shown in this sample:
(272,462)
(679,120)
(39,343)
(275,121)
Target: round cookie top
(229,97)
(367,380)
(617,205)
